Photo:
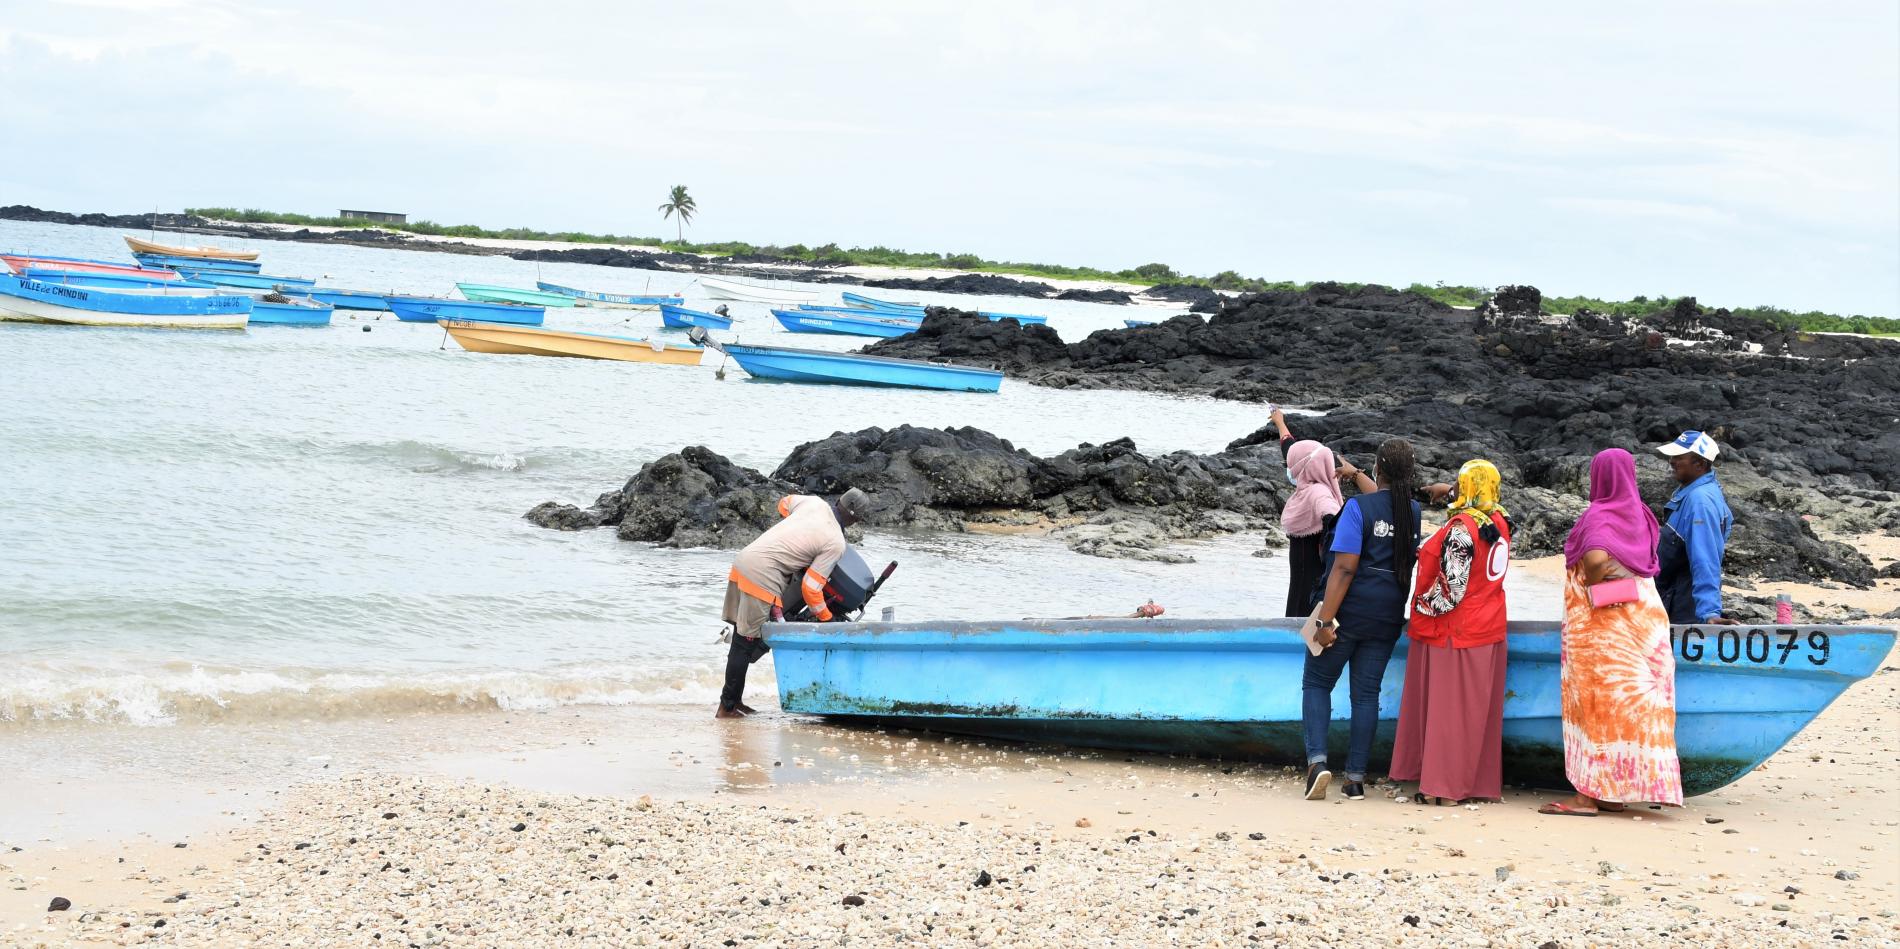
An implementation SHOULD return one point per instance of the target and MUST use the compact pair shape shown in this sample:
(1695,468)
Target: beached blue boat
(37,301)
(628,301)
(680,317)
(1231,688)
(915,311)
(253,281)
(198,263)
(1131,324)
(349,299)
(430,309)
(785,364)
(864,324)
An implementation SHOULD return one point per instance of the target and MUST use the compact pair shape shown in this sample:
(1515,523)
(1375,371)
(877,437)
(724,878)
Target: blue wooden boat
(1231,688)
(872,303)
(349,299)
(839,324)
(430,309)
(36,301)
(295,312)
(1131,324)
(198,263)
(625,301)
(680,317)
(107,281)
(785,364)
(254,281)
(490,293)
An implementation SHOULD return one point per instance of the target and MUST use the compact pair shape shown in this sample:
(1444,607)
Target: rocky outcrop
(1106,500)
(972,283)
(1198,299)
(1097,296)
(1808,441)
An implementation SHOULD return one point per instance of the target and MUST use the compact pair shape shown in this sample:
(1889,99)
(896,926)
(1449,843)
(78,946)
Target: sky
(1745,153)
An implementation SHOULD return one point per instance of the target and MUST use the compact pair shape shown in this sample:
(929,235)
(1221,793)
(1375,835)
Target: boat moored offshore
(431,309)
(618,301)
(215,253)
(750,293)
(35,301)
(490,293)
(527,341)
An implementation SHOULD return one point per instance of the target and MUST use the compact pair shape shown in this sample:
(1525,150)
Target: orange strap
(751,589)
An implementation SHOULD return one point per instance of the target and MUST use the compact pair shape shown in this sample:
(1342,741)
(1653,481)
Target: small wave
(171,695)
(426,458)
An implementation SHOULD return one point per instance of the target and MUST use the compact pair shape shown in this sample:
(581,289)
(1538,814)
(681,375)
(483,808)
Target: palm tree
(681,204)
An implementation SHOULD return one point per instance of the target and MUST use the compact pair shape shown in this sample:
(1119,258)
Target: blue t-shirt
(1347,529)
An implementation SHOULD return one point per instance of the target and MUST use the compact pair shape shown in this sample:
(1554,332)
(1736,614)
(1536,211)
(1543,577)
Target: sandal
(1559,808)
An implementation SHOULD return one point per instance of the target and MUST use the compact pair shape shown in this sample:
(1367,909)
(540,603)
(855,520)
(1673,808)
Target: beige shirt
(808,541)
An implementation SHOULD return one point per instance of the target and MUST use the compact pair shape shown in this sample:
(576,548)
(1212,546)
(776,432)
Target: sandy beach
(610,827)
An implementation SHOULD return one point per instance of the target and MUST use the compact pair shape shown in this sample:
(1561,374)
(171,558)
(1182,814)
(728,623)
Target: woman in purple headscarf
(1619,670)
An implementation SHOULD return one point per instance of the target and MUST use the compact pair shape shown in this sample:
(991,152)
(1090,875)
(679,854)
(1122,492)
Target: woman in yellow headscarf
(1451,718)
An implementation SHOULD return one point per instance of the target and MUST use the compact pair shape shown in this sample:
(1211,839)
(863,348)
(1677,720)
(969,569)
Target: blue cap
(1692,443)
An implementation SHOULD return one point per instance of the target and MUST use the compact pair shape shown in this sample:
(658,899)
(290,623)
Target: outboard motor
(850,587)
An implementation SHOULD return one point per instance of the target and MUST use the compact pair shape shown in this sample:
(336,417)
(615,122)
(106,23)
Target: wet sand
(738,812)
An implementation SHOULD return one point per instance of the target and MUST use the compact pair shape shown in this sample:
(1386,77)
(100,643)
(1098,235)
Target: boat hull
(915,311)
(21,263)
(167,250)
(486,293)
(350,299)
(33,301)
(838,324)
(251,281)
(679,317)
(747,293)
(785,364)
(198,263)
(521,341)
(298,313)
(431,309)
(614,301)
(1231,688)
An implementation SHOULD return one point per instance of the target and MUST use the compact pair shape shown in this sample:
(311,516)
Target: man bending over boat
(808,541)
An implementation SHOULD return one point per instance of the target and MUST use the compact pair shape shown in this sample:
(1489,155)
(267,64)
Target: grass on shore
(1152,274)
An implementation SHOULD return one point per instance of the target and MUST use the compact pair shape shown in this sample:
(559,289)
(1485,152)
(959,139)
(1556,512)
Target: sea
(316,523)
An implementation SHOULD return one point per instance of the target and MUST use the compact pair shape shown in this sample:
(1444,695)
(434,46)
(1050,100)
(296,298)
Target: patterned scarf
(1478,483)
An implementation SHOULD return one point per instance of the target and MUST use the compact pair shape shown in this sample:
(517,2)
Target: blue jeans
(1368,658)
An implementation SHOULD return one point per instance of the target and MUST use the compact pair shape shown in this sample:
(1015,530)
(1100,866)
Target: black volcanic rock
(971,283)
(1096,296)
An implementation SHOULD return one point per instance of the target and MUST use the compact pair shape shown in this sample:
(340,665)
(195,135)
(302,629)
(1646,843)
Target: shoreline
(779,792)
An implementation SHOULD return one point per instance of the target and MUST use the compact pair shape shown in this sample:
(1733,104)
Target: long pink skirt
(1451,721)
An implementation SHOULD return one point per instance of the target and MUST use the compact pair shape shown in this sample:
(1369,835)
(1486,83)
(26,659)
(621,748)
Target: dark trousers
(1368,659)
(1305,565)
(744,651)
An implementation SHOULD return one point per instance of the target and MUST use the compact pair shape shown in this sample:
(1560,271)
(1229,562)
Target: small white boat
(720,289)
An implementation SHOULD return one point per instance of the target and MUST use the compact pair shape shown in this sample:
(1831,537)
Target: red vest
(1479,618)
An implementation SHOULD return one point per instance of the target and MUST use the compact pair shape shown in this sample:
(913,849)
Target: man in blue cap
(1695,535)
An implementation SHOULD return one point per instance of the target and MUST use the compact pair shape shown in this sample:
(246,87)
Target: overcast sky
(1745,153)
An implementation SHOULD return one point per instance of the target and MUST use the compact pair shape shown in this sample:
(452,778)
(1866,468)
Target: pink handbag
(1614,592)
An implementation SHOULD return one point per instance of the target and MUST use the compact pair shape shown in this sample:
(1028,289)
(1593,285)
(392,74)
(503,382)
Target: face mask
(1290,479)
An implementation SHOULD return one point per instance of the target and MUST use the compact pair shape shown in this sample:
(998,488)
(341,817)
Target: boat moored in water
(431,309)
(786,364)
(679,317)
(519,340)
(350,299)
(35,301)
(170,262)
(215,253)
(254,281)
(750,293)
(1231,688)
(21,263)
(618,301)
(489,293)
(864,323)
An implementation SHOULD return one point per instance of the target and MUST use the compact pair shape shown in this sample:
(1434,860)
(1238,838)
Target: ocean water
(307,523)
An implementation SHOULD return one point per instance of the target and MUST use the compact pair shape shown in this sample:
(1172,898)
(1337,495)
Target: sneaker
(1317,777)
(1354,791)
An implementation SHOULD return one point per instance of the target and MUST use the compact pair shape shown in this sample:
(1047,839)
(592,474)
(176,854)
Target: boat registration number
(1755,645)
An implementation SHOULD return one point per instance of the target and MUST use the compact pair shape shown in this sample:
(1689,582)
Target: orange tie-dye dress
(1619,697)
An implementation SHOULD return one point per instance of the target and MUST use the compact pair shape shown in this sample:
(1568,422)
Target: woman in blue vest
(1368,581)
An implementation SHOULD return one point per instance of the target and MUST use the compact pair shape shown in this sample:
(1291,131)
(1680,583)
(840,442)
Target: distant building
(380,217)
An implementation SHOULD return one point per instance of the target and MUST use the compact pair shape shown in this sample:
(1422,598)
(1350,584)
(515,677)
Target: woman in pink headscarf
(1315,474)
(1619,669)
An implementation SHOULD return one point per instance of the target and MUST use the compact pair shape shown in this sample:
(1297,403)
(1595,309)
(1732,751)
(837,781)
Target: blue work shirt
(1699,513)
